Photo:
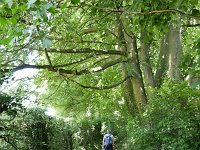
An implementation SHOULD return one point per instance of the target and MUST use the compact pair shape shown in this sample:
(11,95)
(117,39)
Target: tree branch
(102,87)
(75,62)
(85,50)
(47,56)
(10,61)
(7,140)
(28,66)
(54,90)
(191,25)
(145,13)
(65,71)
(106,65)
(84,41)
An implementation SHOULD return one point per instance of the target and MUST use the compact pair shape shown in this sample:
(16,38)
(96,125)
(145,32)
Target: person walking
(108,141)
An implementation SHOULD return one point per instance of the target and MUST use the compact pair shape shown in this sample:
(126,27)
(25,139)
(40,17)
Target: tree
(79,42)
(10,107)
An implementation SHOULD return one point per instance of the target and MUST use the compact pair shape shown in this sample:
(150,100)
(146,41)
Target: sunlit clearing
(25,73)
(51,111)
(30,102)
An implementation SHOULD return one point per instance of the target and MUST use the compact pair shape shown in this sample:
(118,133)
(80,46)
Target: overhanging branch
(145,13)
(47,56)
(84,50)
(28,66)
(191,25)
(7,140)
(102,87)
(67,71)
(75,62)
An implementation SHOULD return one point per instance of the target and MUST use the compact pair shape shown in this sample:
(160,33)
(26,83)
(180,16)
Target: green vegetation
(129,66)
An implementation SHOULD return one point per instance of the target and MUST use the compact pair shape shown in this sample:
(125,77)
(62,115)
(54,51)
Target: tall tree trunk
(145,61)
(68,138)
(175,51)
(136,82)
(162,61)
(40,136)
(127,87)
(45,144)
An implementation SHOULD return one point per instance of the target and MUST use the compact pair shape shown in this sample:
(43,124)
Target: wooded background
(131,66)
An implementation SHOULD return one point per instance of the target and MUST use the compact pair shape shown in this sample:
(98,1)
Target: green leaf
(3,21)
(6,41)
(14,9)
(22,7)
(146,39)
(64,5)
(13,21)
(129,2)
(75,1)
(52,10)
(46,43)
(194,2)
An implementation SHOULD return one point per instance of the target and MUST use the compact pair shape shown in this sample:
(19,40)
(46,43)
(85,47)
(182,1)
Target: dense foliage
(126,65)
(171,120)
(33,129)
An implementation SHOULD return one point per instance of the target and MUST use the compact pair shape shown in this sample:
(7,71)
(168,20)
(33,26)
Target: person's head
(108,131)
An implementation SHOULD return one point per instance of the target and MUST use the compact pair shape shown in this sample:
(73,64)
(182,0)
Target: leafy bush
(33,129)
(170,122)
(10,107)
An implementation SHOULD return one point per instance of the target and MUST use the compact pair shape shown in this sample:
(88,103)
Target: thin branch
(54,90)
(102,87)
(100,60)
(47,56)
(10,84)
(75,62)
(106,65)
(7,140)
(191,25)
(94,19)
(89,30)
(10,61)
(95,42)
(65,71)
(145,13)
(25,66)
(84,50)
(92,70)
(28,66)
(87,50)
(82,41)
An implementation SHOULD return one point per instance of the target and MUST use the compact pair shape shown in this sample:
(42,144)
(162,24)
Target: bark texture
(162,61)
(127,87)
(135,85)
(145,61)
(175,52)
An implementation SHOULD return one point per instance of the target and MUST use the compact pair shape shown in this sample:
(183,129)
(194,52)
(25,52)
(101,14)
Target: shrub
(170,122)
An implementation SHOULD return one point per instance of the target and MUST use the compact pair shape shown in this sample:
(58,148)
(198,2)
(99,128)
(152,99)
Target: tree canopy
(97,59)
